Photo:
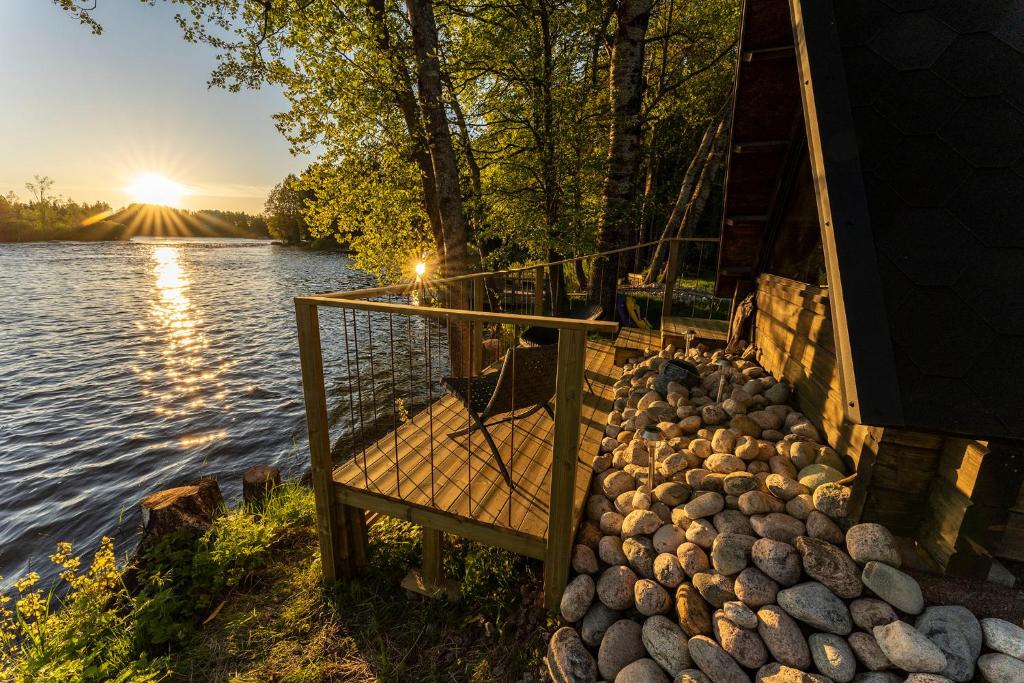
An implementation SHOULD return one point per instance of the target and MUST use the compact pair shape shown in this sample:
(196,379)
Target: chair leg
(494,451)
(549,411)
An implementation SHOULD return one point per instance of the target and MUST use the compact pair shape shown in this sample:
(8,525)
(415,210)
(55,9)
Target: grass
(244,603)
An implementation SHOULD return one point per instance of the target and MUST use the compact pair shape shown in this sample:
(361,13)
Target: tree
(39,189)
(285,211)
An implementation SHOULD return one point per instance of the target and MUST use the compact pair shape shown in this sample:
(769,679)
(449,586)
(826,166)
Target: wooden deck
(453,484)
(673,330)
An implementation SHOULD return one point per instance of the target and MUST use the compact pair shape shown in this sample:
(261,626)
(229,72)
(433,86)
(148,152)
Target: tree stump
(258,481)
(184,508)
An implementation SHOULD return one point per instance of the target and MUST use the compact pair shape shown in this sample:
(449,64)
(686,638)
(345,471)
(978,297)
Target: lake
(127,367)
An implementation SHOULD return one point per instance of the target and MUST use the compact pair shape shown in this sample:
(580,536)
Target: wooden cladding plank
(799,321)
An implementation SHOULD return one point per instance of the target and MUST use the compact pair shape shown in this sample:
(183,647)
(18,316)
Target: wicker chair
(546,336)
(525,382)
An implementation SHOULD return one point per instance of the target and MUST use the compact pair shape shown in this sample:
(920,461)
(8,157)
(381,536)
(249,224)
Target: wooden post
(670,280)
(333,542)
(433,570)
(572,346)
(538,291)
(478,327)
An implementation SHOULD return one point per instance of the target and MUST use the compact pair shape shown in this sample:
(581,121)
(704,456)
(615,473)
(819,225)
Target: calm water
(130,367)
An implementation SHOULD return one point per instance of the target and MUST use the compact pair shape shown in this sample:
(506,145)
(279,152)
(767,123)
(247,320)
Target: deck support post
(538,291)
(334,546)
(477,336)
(670,280)
(572,346)
(433,569)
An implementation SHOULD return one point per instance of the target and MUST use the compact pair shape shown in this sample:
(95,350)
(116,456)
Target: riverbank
(244,601)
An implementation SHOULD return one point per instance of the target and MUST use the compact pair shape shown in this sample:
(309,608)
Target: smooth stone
(714,588)
(814,604)
(615,587)
(777,673)
(909,649)
(801,507)
(783,637)
(641,671)
(666,644)
(719,666)
(739,614)
(640,522)
(725,463)
(704,505)
(785,488)
(868,613)
(872,542)
(584,560)
(667,538)
(778,560)
(743,645)
(730,553)
(754,588)
(732,522)
(738,483)
(576,598)
(617,483)
(691,676)
(1000,668)
(671,493)
(828,456)
(597,505)
(833,657)
(833,500)
(926,678)
(877,677)
(640,553)
(778,526)
(668,571)
(596,621)
(831,566)
(814,476)
(611,523)
(820,526)
(755,503)
(723,441)
(622,644)
(609,549)
(866,648)
(803,453)
(692,558)
(896,588)
(651,598)
(1002,636)
(702,532)
(568,659)
(958,634)
(693,611)
(589,534)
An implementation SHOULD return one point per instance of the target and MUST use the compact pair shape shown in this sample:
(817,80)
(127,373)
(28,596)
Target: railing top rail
(600,326)
(405,288)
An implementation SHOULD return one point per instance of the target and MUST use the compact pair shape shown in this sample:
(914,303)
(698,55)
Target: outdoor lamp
(651,436)
(690,334)
(723,365)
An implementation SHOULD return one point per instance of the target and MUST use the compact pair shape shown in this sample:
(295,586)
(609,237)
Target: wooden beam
(333,542)
(433,567)
(564,454)
(670,281)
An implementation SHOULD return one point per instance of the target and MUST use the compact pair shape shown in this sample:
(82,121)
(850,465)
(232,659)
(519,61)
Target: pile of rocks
(736,562)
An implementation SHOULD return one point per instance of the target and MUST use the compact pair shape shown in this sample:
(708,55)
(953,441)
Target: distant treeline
(65,219)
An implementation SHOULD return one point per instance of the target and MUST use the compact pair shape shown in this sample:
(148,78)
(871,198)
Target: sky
(96,112)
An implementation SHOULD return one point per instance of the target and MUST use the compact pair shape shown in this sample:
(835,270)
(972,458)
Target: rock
(1000,668)
(680,519)
(738,613)
(1002,636)
(785,487)
(783,466)
(666,644)
(730,553)
(868,613)
(692,558)
(704,505)
(588,534)
(778,560)
(832,657)
(714,588)
(872,542)
(831,566)
(671,493)
(803,453)
(958,634)
(615,587)
(668,538)
(909,649)
(777,393)
(743,645)
(755,503)
(640,553)
(814,476)
(668,571)
(866,648)
(738,483)
(926,678)
(640,522)
(641,671)
(610,550)
(747,449)
(584,561)
(695,477)
(801,507)
(776,673)
(778,526)
(691,676)
(190,508)
(611,523)
(814,604)
(833,499)
(596,621)
(724,441)
(577,597)
(702,532)
(701,448)
(827,456)
(650,598)
(754,588)
(597,505)
(783,637)
(745,426)
(715,662)
(820,526)
(712,415)
(806,430)
(877,677)
(258,482)
(622,645)
(568,659)
(732,522)
(896,588)
(641,500)
(617,483)
(693,611)
(724,463)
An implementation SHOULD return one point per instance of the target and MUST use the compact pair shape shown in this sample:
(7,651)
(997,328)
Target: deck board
(465,483)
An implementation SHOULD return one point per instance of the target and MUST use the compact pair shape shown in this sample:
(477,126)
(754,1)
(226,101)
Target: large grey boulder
(778,560)
(958,634)
(1002,636)
(832,656)
(666,644)
(872,542)
(909,649)
(831,566)
(615,587)
(596,621)
(577,597)
(568,659)
(642,671)
(896,588)
(783,637)
(719,666)
(621,645)
(814,604)
(1000,668)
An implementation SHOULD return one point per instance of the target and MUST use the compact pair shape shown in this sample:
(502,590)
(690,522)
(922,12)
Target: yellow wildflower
(26,582)
(31,606)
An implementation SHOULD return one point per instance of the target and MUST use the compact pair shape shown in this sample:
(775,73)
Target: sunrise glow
(154,188)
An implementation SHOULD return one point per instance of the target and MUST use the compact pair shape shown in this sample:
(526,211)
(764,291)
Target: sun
(153,188)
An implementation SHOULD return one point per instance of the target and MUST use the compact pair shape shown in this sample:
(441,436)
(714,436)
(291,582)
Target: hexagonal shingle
(859,22)
(867,75)
(923,170)
(977,64)
(912,41)
(988,203)
(918,102)
(987,132)
(993,270)
(876,137)
(931,323)
(970,17)
(925,244)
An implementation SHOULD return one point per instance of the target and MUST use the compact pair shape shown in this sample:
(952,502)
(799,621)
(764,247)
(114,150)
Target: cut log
(192,507)
(258,481)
